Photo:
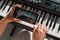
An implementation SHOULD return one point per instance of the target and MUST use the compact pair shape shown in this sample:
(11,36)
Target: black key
(43,17)
(33,9)
(1,17)
(55,22)
(48,19)
(40,16)
(36,10)
(30,8)
(10,6)
(25,7)
(3,4)
(59,28)
(6,5)
(51,21)
(22,6)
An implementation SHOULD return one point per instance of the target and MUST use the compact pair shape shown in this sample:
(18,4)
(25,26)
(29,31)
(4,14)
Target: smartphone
(25,15)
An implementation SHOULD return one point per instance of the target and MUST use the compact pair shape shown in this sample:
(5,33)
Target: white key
(11,7)
(46,18)
(1,2)
(9,10)
(0,5)
(58,23)
(32,9)
(45,39)
(56,27)
(39,12)
(49,24)
(58,34)
(41,18)
(7,6)
(54,32)
(28,8)
(49,21)
(52,25)
(1,13)
(4,12)
(3,6)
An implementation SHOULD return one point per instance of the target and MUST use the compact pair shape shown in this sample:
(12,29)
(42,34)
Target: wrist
(4,21)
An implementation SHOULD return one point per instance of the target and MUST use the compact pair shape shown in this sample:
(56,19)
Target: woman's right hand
(40,32)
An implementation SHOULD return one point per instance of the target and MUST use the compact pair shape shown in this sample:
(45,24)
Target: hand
(9,17)
(39,33)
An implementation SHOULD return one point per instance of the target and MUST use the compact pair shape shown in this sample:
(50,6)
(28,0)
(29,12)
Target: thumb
(17,20)
(13,9)
(34,28)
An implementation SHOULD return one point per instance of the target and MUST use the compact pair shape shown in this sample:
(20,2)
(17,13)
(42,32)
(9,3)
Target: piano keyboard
(5,7)
(49,19)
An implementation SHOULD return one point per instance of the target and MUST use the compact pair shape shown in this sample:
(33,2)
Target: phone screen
(25,15)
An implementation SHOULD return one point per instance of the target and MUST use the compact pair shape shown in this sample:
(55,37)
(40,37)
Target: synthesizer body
(35,11)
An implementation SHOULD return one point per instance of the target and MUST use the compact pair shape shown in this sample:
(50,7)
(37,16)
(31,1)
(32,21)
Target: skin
(9,18)
(38,33)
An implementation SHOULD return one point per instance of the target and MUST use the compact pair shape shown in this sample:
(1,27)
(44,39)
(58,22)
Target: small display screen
(26,16)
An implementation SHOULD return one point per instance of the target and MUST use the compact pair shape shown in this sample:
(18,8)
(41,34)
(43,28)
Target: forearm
(3,26)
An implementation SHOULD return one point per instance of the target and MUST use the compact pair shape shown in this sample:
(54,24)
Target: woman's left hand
(9,17)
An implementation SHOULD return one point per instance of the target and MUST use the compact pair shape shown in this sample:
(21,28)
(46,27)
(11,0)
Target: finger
(42,32)
(45,29)
(44,35)
(39,26)
(17,5)
(13,9)
(42,27)
(34,28)
(17,20)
